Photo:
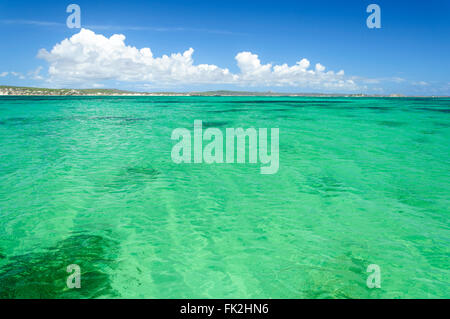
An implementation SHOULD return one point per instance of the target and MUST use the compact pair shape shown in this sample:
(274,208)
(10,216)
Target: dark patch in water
(370,108)
(300,106)
(378,108)
(423,99)
(134,177)
(229,111)
(421,140)
(58,119)
(391,123)
(24,120)
(124,118)
(215,124)
(434,109)
(278,110)
(281,116)
(441,124)
(286,101)
(17,121)
(145,171)
(44,275)
(108,118)
(329,184)
(259,101)
(121,119)
(304,104)
(23,99)
(428,132)
(296,104)
(137,119)
(326,186)
(160,104)
(338,277)
(309,119)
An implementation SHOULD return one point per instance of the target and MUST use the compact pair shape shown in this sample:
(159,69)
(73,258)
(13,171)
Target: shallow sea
(90,181)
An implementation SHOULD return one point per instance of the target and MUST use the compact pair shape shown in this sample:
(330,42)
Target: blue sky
(408,55)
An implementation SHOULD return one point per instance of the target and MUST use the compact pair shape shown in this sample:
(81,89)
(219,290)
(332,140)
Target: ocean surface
(90,181)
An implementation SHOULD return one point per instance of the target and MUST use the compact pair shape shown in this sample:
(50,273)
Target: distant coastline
(32,91)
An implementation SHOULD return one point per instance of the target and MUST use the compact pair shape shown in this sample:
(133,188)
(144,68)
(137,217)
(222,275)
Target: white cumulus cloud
(89,57)
(253,73)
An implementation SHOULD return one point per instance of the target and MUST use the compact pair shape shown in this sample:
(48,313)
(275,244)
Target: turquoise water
(90,181)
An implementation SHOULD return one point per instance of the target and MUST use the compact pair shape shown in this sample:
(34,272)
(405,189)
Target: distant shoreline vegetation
(32,91)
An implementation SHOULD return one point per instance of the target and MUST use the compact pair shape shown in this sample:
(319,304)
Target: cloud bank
(88,57)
